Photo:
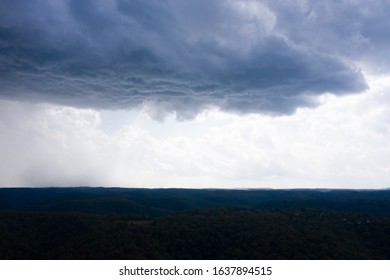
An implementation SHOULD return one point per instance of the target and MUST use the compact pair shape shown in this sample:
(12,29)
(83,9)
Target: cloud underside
(184,56)
(342,144)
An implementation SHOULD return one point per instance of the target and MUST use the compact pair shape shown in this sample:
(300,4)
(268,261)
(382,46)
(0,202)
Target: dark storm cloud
(353,29)
(182,56)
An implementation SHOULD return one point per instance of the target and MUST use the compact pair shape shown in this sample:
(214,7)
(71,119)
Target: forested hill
(116,223)
(153,203)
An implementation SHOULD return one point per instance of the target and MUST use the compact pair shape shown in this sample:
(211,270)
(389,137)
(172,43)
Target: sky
(195,93)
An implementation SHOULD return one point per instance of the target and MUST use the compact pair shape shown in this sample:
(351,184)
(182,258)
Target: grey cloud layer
(184,56)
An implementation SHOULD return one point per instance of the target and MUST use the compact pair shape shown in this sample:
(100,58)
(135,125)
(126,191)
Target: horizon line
(201,188)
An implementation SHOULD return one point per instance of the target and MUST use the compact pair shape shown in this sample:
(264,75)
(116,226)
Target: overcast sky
(195,93)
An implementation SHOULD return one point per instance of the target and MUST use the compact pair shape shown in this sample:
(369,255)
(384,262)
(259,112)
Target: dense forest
(115,223)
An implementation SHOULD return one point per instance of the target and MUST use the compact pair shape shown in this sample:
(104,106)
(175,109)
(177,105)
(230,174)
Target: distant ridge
(158,202)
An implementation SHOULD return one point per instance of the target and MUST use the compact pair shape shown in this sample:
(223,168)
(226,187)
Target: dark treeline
(160,202)
(99,223)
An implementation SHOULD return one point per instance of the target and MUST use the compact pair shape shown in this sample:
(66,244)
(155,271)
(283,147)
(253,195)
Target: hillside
(159,202)
(100,223)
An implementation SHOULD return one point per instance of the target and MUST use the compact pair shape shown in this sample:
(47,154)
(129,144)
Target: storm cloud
(181,57)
